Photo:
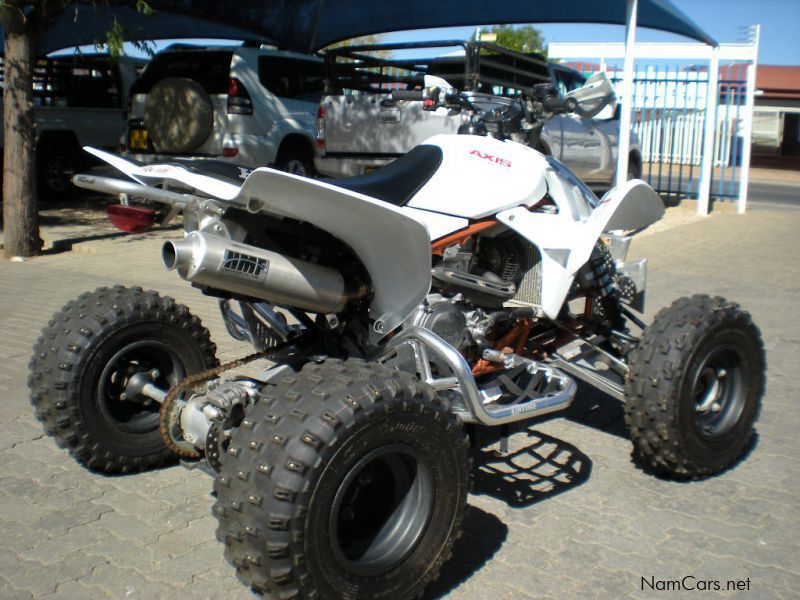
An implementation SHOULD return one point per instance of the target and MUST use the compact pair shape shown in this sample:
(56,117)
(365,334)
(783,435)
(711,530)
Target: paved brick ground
(565,515)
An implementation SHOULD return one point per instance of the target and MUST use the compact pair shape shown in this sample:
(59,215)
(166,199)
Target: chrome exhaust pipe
(216,262)
(177,254)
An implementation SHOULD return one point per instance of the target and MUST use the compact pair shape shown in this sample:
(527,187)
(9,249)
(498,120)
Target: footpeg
(527,391)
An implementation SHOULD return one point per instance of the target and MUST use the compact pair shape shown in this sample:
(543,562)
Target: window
(211,69)
(76,83)
(295,78)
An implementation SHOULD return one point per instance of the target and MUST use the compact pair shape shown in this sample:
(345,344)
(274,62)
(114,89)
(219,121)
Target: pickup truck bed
(360,128)
(79,100)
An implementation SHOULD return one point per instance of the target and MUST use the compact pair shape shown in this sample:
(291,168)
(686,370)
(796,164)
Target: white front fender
(566,244)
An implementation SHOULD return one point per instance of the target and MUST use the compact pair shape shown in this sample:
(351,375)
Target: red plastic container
(132,219)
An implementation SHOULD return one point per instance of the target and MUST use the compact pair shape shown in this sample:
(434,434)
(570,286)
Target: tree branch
(12,16)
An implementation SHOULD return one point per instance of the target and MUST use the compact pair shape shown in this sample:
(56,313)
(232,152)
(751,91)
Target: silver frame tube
(424,341)
(109,185)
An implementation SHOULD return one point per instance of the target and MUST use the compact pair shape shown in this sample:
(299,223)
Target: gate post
(624,145)
(709,134)
(747,134)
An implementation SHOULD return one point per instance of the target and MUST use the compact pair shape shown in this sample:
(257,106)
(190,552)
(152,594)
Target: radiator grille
(529,290)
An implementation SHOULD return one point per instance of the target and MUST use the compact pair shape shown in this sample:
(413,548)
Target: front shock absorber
(597,278)
(602,266)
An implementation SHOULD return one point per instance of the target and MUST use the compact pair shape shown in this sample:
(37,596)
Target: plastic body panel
(394,247)
(566,243)
(480,176)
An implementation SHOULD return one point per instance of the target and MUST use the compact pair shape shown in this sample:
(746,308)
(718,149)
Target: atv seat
(397,182)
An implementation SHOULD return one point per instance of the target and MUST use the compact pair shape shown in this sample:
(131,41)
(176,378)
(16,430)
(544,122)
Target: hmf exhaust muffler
(223,264)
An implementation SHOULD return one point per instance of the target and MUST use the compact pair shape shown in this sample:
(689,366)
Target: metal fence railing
(695,141)
(669,109)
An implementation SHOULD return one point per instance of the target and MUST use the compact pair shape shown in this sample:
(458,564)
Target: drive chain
(169,408)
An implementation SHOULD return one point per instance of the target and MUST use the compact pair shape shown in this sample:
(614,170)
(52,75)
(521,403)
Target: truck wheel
(83,364)
(297,162)
(346,476)
(695,386)
(57,162)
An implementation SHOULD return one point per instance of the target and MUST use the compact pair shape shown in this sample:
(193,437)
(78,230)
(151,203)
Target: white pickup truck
(361,128)
(79,100)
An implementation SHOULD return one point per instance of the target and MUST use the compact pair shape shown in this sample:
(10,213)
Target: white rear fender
(394,248)
(157,173)
(566,244)
(119,163)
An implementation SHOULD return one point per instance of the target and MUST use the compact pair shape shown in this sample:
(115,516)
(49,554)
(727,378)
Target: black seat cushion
(397,182)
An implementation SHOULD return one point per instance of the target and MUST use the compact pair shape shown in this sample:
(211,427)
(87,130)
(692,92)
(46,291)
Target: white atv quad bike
(469,283)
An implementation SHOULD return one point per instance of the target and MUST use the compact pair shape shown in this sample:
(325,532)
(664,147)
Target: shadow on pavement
(544,467)
(598,410)
(79,208)
(784,163)
(483,535)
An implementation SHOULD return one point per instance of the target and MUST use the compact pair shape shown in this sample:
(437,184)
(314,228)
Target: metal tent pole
(709,135)
(747,134)
(627,93)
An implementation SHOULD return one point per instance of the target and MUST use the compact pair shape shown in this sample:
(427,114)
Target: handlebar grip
(554,104)
(595,110)
(417,95)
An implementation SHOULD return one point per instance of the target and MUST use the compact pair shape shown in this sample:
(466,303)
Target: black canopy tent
(81,25)
(309,25)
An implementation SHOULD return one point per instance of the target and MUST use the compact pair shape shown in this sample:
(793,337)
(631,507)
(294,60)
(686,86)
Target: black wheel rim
(381,510)
(718,392)
(138,414)
(296,167)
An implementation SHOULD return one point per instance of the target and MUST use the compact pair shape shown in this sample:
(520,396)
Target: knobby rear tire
(79,363)
(321,462)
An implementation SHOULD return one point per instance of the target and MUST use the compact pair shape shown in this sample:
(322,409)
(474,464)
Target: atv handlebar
(545,98)
(417,95)
(433,97)
(573,106)
(504,117)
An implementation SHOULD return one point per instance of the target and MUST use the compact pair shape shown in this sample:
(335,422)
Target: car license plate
(138,139)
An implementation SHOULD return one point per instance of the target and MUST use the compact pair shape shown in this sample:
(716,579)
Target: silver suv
(247,106)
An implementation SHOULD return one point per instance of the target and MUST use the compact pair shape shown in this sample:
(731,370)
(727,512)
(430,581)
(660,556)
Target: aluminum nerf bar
(424,341)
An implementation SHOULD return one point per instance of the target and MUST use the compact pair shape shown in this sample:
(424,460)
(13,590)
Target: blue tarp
(308,25)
